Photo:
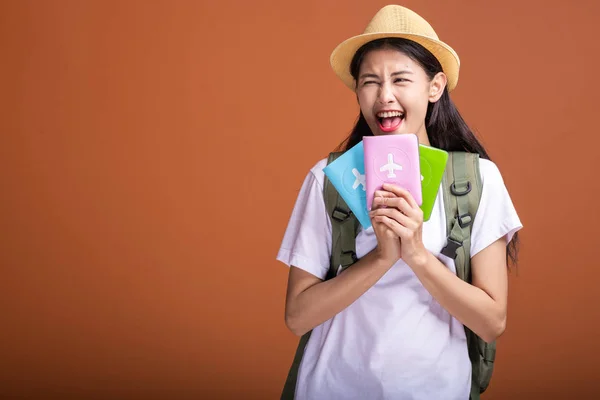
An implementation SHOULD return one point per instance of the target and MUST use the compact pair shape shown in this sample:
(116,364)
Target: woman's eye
(399,80)
(368,82)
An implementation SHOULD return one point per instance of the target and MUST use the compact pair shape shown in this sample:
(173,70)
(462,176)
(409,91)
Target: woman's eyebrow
(403,72)
(368,76)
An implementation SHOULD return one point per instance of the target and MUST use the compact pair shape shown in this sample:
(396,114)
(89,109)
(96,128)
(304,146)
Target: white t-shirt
(395,341)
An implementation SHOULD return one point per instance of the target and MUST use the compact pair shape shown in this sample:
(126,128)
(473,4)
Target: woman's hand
(388,245)
(398,211)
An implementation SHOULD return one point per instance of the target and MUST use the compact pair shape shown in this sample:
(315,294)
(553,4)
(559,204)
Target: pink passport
(392,159)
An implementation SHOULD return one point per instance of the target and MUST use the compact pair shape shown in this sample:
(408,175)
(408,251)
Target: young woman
(391,326)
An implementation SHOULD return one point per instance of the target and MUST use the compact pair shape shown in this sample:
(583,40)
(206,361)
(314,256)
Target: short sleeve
(496,216)
(307,240)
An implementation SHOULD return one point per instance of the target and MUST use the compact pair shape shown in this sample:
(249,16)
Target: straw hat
(400,22)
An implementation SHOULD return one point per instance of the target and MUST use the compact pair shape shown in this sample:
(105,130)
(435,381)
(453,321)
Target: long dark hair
(446,129)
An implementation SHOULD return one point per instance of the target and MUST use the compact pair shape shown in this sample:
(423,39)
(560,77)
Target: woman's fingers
(399,230)
(401,192)
(383,193)
(395,214)
(398,203)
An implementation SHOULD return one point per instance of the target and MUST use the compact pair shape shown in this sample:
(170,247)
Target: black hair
(446,129)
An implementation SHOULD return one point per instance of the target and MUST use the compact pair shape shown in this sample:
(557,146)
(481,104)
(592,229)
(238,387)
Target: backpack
(462,187)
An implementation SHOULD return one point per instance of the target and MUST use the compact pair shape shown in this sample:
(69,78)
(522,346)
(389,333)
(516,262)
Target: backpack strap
(462,192)
(344,226)
(462,188)
(289,388)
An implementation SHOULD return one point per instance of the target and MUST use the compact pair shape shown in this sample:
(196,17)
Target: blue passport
(347,175)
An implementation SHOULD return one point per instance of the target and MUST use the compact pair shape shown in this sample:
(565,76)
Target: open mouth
(389,121)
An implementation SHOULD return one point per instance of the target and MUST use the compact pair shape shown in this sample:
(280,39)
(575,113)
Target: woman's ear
(437,86)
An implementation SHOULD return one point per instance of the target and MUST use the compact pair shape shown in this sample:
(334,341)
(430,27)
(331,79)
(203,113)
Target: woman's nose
(385,94)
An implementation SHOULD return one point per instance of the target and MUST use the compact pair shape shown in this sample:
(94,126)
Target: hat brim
(342,55)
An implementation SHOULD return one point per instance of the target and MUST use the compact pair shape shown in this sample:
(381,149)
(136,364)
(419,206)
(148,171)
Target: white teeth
(389,114)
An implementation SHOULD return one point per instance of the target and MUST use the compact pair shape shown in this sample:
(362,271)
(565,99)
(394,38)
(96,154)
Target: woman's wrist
(418,259)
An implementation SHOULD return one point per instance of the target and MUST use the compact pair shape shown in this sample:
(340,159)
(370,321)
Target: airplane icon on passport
(390,166)
(360,180)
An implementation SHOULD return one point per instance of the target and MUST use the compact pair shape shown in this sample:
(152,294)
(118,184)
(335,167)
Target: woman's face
(394,91)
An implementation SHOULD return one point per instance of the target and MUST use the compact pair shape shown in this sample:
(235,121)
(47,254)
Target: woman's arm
(311,301)
(481,306)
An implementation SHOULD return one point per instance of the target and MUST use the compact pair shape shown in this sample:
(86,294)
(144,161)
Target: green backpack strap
(462,188)
(462,191)
(344,227)
(289,388)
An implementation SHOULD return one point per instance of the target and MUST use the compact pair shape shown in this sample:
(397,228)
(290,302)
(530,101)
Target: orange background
(143,201)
